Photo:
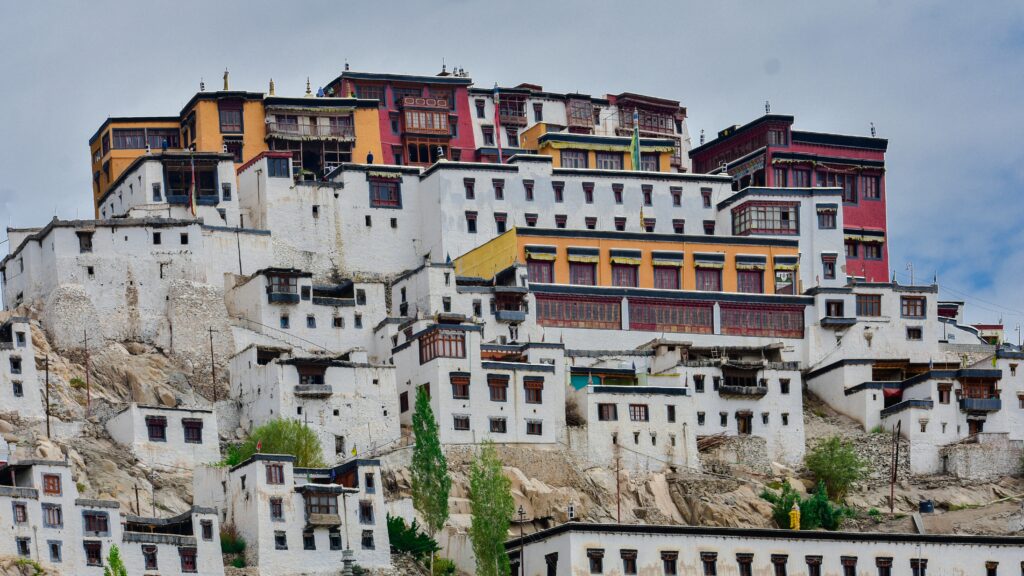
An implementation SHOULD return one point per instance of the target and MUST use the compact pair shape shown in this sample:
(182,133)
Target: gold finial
(202,85)
(225,79)
(271,86)
(309,91)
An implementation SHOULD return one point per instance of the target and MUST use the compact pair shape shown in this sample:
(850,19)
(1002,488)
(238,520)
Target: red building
(768,152)
(419,115)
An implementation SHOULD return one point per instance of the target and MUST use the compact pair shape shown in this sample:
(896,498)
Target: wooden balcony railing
(311,130)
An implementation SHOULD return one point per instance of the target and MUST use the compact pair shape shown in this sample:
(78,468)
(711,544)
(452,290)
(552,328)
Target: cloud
(941,81)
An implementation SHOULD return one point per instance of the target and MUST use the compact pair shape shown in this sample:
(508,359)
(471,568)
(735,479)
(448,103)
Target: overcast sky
(943,81)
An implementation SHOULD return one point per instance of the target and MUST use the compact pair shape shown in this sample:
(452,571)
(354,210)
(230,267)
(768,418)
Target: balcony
(746,391)
(513,316)
(313,390)
(981,404)
(507,119)
(323,520)
(282,297)
(837,322)
(288,130)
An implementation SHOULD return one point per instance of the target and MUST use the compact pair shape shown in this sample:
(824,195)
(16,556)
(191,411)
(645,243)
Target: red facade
(418,115)
(768,152)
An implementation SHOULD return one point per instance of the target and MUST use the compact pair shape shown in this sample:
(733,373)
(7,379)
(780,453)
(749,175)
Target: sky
(943,81)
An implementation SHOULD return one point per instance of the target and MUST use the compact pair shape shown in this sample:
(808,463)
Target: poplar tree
(115,566)
(491,506)
(430,481)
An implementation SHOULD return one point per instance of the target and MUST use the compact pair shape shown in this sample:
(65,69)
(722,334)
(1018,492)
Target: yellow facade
(209,138)
(487,260)
(366,122)
(107,166)
(530,140)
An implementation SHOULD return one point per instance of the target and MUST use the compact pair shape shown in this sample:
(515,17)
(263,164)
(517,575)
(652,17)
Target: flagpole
(636,140)
(497,121)
(192,188)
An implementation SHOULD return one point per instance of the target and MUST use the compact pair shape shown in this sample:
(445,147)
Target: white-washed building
(20,385)
(300,521)
(158,185)
(583,548)
(50,524)
(287,305)
(508,393)
(351,404)
(163,437)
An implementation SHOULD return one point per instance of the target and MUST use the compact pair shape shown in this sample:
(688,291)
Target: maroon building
(768,152)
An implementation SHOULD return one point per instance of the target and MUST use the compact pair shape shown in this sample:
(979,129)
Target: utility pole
(522,542)
(138,507)
(894,465)
(618,492)
(213,368)
(152,488)
(47,361)
(88,384)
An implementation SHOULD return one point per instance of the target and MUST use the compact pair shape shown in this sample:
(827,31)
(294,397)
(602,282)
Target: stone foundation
(989,456)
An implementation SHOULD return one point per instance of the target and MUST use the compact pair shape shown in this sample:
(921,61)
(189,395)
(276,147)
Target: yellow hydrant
(794,517)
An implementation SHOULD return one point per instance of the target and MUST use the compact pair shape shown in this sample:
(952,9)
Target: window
(513,137)
(460,386)
(19,389)
(471,222)
(275,474)
(590,222)
(479,105)
(884,566)
(813,565)
(20,513)
(583,273)
(96,523)
(499,222)
(628,561)
(872,251)
(84,242)
(499,188)
(709,562)
(52,516)
(912,306)
(56,552)
(93,552)
(403,402)
(625,275)
(709,227)
(851,250)
(184,239)
(834,308)
(540,271)
(230,116)
(285,322)
(705,195)
(574,159)
(744,562)
(488,134)
(608,160)
(919,566)
(207,529)
(827,219)
(698,382)
(765,218)
(193,430)
(639,413)
(617,193)
(648,224)
(498,426)
(991,568)
(620,223)
(538,112)
(51,485)
(779,564)
(784,385)
(678,225)
(779,177)
(914,333)
(366,512)
(280,540)
(650,161)
(366,540)
(534,387)
(308,541)
(149,557)
(828,266)
(334,536)
(559,189)
(128,138)
(800,178)
(528,189)
(278,168)
(709,279)
(385,193)
(870,187)
(666,278)
(534,428)
(607,412)
(848,182)
(849,564)
(460,422)
(750,281)
(671,413)
(648,193)
(869,305)
(498,387)
(677,195)
(357,320)
(588,192)
(276,510)
(440,343)
(700,418)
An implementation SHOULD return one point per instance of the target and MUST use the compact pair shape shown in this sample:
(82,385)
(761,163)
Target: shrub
(816,511)
(410,539)
(238,562)
(230,541)
(874,513)
(280,437)
(76,383)
(879,429)
(443,566)
(835,463)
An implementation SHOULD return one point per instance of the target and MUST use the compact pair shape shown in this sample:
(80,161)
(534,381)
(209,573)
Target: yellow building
(572,150)
(320,133)
(640,260)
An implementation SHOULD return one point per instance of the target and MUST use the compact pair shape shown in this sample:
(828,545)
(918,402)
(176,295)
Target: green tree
(816,511)
(430,481)
(491,506)
(280,436)
(409,538)
(835,462)
(114,567)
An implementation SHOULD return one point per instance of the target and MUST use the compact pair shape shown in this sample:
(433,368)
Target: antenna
(872,129)
(701,136)
(767,107)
